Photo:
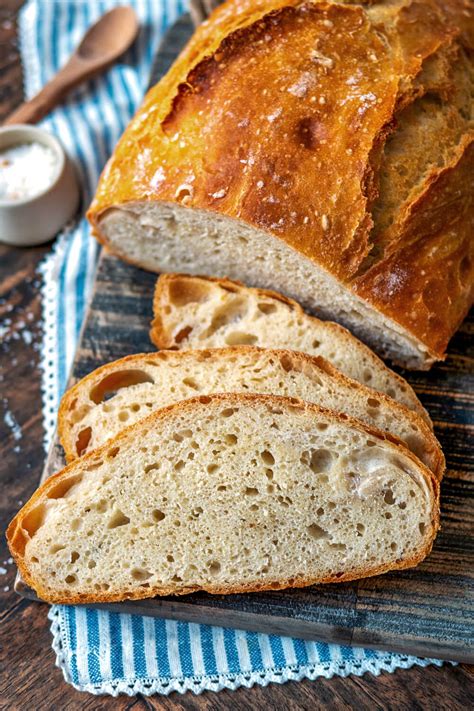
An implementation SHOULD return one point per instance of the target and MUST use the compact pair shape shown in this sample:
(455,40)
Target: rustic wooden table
(28,677)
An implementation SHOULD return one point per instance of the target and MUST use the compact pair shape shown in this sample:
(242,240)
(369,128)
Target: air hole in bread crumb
(317,532)
(269,473)
(238,338)
(402,505)
(372,402)
(211,468)
(286,363)
(231,439)
(179,466)
(214,567)
(140,574)
(123,416)
(91,564)
(82,440)
(318,460)
(321,426)
(56,548)
(393,546)
(112,453)
(74,556)
(170,558)
(191,383)
(151,467)
(316,343)
(251,491)
(188,291)
(267,457)
(117,519)
(76,523)
(360,528)
(387,515)
(176,579)
(266,308)
(389,497)
(422,527)
(338,547)
(228,412)
(197,511)
(114,382)
(34,519)
(157,515)
(61,488)
(70,579)
(367,375)
(135,407)
(183,334)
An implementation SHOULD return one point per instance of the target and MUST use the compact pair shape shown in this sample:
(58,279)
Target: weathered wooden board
(427,611)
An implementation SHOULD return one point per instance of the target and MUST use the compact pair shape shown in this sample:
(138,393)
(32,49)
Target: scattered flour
(12,424)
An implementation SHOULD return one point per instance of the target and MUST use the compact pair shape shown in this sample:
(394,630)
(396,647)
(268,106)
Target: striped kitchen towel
(114,653)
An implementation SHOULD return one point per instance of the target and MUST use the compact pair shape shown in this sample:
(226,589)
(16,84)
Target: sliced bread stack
(253,456)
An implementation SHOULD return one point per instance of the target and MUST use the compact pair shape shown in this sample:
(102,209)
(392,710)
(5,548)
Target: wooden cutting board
(427,611)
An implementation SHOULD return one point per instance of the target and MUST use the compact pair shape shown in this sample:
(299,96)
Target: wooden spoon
(102,44)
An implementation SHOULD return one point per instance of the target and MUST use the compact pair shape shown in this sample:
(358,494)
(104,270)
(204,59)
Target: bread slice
(202,312)
(226,493)
(118,394)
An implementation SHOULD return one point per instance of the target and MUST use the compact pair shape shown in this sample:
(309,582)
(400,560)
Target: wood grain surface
(28,677)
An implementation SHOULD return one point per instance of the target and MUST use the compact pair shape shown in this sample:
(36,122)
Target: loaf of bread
(201,312)
(118,394)
(324,149)
(226,493)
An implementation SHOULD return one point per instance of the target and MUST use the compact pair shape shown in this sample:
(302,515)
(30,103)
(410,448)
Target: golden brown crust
(162,338)
(439,240)
(17,537)
(249,177)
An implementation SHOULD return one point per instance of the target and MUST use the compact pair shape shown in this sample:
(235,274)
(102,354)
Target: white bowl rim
(34,134)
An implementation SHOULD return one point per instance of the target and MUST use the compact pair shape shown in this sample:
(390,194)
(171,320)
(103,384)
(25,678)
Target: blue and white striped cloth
(113,653)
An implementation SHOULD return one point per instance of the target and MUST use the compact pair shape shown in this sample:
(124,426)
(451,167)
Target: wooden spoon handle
(51,94)
(33,111)
(41,104)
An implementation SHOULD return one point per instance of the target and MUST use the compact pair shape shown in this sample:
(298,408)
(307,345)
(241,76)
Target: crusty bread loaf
(118,394)
(226,493)
(201,312)
(323,149)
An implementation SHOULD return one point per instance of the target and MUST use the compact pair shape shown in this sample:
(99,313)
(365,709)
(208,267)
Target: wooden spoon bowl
(102,44)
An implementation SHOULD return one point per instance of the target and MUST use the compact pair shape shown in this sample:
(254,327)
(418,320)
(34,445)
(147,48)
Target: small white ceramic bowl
(37,219)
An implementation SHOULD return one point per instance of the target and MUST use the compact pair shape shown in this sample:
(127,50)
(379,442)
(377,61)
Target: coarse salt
(26,170)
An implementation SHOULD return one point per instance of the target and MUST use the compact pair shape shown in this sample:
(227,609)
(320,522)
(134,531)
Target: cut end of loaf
(161,237)
(226,493)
